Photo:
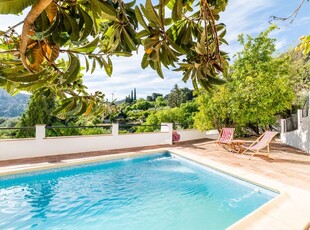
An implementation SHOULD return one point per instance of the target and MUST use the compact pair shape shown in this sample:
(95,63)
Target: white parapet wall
(42,146)
(191,134)
(49,146)
(299,138)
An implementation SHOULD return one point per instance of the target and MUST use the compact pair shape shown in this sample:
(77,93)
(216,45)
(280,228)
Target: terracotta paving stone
(291,166)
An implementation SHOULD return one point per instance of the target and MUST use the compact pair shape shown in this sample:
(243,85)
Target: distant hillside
(12,106)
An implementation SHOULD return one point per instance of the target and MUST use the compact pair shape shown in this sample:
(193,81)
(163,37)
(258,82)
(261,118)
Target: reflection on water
(39,197)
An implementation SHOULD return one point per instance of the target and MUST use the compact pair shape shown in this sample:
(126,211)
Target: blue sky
(241,16)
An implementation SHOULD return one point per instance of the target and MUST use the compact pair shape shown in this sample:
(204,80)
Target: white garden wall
(42,146)
(191,134)
(299,138)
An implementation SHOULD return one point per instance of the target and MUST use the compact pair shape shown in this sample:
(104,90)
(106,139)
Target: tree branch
(292,15)
(35,11)
(13,27)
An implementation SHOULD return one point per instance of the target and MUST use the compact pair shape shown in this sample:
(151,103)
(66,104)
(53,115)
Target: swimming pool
(157,191)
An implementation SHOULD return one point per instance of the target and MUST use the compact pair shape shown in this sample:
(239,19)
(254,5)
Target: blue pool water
(158,191)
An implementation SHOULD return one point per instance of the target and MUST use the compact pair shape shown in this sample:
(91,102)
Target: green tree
(214,109)
(160,102)
(259,88)
(304,45)
(299,72)
(183,34)
(183,116)
(175,97)
(39,110)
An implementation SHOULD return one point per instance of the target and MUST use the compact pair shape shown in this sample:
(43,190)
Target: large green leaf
(74,33)
(89,47)
(88,26)
(15,6)
(108,66)
(140,18)
(73,69)
(29,77)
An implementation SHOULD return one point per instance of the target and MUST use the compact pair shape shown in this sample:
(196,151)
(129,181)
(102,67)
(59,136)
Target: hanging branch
(292,15)
(11,28)
(35,11)
(214,30)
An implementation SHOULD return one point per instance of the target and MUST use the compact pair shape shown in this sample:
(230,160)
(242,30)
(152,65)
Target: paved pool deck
(289,174)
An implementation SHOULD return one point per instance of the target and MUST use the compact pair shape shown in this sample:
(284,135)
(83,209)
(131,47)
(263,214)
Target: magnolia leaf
(89,108)
(177,10)
(216,81)
(51,11)
(53,52)
(88,23)
(74,32)
(13,70)
(28,77)
(130,43)
(186,75)
(83,108)
(66,105)
(93,66)
(142,33)
(108,11)
(87,64)
(140,18)
(73,69)
(14,6)
(122,54)
(89,47)
(145,61)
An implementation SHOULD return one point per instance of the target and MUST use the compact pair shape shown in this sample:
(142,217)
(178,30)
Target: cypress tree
(134,94)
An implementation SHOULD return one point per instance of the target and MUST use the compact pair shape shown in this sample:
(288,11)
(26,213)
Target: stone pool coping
(289,210)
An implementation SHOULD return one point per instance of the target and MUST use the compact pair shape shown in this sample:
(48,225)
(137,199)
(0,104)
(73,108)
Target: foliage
(8,123)
(258,89)
(153,97)
(175,136)
(160,102)
(182,116)
(304,45)
(299,72)
(214,110)
(178,96)
(96,30)
(39,111)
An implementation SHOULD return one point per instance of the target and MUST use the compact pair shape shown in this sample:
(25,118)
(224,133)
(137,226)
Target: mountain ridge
(13,106)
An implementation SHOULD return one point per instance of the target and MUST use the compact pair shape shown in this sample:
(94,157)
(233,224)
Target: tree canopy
(56,35)
(259,88)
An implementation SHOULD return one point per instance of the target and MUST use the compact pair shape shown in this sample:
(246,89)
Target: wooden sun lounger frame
(255,151)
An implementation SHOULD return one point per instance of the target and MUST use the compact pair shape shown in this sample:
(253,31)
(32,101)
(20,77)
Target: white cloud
(248,17)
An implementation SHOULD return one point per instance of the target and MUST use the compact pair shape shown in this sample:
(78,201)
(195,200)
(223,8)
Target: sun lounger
(260,143)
